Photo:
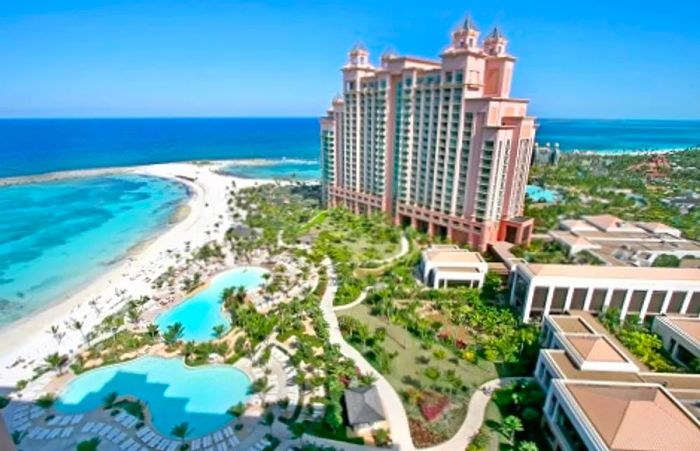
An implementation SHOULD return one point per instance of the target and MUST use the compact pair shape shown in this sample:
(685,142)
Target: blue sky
(609,59)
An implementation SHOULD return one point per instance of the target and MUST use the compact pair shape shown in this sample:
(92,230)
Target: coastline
(115,170)
(28,339)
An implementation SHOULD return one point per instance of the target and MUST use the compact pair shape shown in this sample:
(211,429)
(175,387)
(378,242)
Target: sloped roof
(595,348)
(469,23)
(603,222)
(452,256)
(636,417)
(363,405)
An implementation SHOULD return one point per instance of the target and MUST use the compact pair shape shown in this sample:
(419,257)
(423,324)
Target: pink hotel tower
(437,145)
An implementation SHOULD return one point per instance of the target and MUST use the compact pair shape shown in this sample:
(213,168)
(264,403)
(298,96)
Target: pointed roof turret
(496,33)
(469,23)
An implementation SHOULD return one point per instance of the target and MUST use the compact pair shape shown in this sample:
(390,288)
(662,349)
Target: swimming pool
(539,194)
(173,392)
(201,312)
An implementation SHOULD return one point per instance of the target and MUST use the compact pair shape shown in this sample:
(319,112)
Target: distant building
(538,290)
(363,406)
(681,337)
(546,155)
(439,145)
(617,242)
(598,397)
(443,266)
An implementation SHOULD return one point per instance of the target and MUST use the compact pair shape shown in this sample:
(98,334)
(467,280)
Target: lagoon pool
(201,312)
(173,392)
(539,194)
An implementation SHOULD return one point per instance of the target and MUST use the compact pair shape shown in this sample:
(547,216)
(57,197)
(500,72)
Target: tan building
(600,398)
(443,266)
(439,145)
(621,243)
(540,289)
(681,337)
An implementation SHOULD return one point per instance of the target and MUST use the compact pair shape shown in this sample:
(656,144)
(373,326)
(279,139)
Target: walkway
(395,414)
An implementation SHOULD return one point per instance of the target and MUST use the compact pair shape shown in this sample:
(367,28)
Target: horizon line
(10,118)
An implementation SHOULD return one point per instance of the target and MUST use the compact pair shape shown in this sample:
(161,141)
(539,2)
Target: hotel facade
(437,145)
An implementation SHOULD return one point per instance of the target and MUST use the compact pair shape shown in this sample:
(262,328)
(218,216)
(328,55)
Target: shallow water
(57,236)
(173,392)
(201,312)
(303,170)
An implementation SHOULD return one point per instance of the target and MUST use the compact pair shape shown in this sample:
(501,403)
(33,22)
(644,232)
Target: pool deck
(120,432)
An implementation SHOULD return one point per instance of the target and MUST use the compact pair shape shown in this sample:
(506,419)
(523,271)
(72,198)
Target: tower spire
(469,23)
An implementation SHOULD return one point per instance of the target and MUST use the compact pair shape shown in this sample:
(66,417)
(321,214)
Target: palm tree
(219,330)
(56,333)
(527,446)
(190,348)
(78,325)
(152,330)
(181,431)
(134,314)
(110,400)
(55,361)
(46,400)
(95,305)
(173,333)
(511,424)
(268,419)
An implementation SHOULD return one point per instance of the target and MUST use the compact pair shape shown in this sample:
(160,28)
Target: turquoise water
(57,236)
(173,392)
(537,194)
(304,170)
(200,313)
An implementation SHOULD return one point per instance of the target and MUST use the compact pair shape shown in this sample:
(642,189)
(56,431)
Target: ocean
(56,236)
(38,146)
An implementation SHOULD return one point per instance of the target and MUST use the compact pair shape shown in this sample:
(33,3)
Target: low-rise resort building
(621,243)
(443,266)
(541,289)
(599,397)
(681,337)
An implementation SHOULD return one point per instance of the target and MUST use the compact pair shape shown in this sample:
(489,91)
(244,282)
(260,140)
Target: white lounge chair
(195,444)
(76,419)
(67,432)
(127,444)
(120,437)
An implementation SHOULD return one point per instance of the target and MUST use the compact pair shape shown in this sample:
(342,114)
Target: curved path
(395,414)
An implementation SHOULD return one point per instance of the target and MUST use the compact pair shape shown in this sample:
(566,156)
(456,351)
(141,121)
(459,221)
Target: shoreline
(27,340)
(180,214)
(117,170)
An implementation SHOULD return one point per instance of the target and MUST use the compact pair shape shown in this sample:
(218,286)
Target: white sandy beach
(28,340)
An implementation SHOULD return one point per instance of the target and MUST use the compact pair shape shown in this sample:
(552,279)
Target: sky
(95,58)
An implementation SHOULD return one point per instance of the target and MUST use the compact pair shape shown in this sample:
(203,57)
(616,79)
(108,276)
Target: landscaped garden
(437,346)
(627,186)
(646,345)
(551,252)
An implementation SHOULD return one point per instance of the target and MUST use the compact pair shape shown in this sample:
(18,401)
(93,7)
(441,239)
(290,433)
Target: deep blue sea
(38,146)
(56,236)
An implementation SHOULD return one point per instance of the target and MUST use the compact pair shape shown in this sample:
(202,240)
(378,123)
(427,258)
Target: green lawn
(408,371)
